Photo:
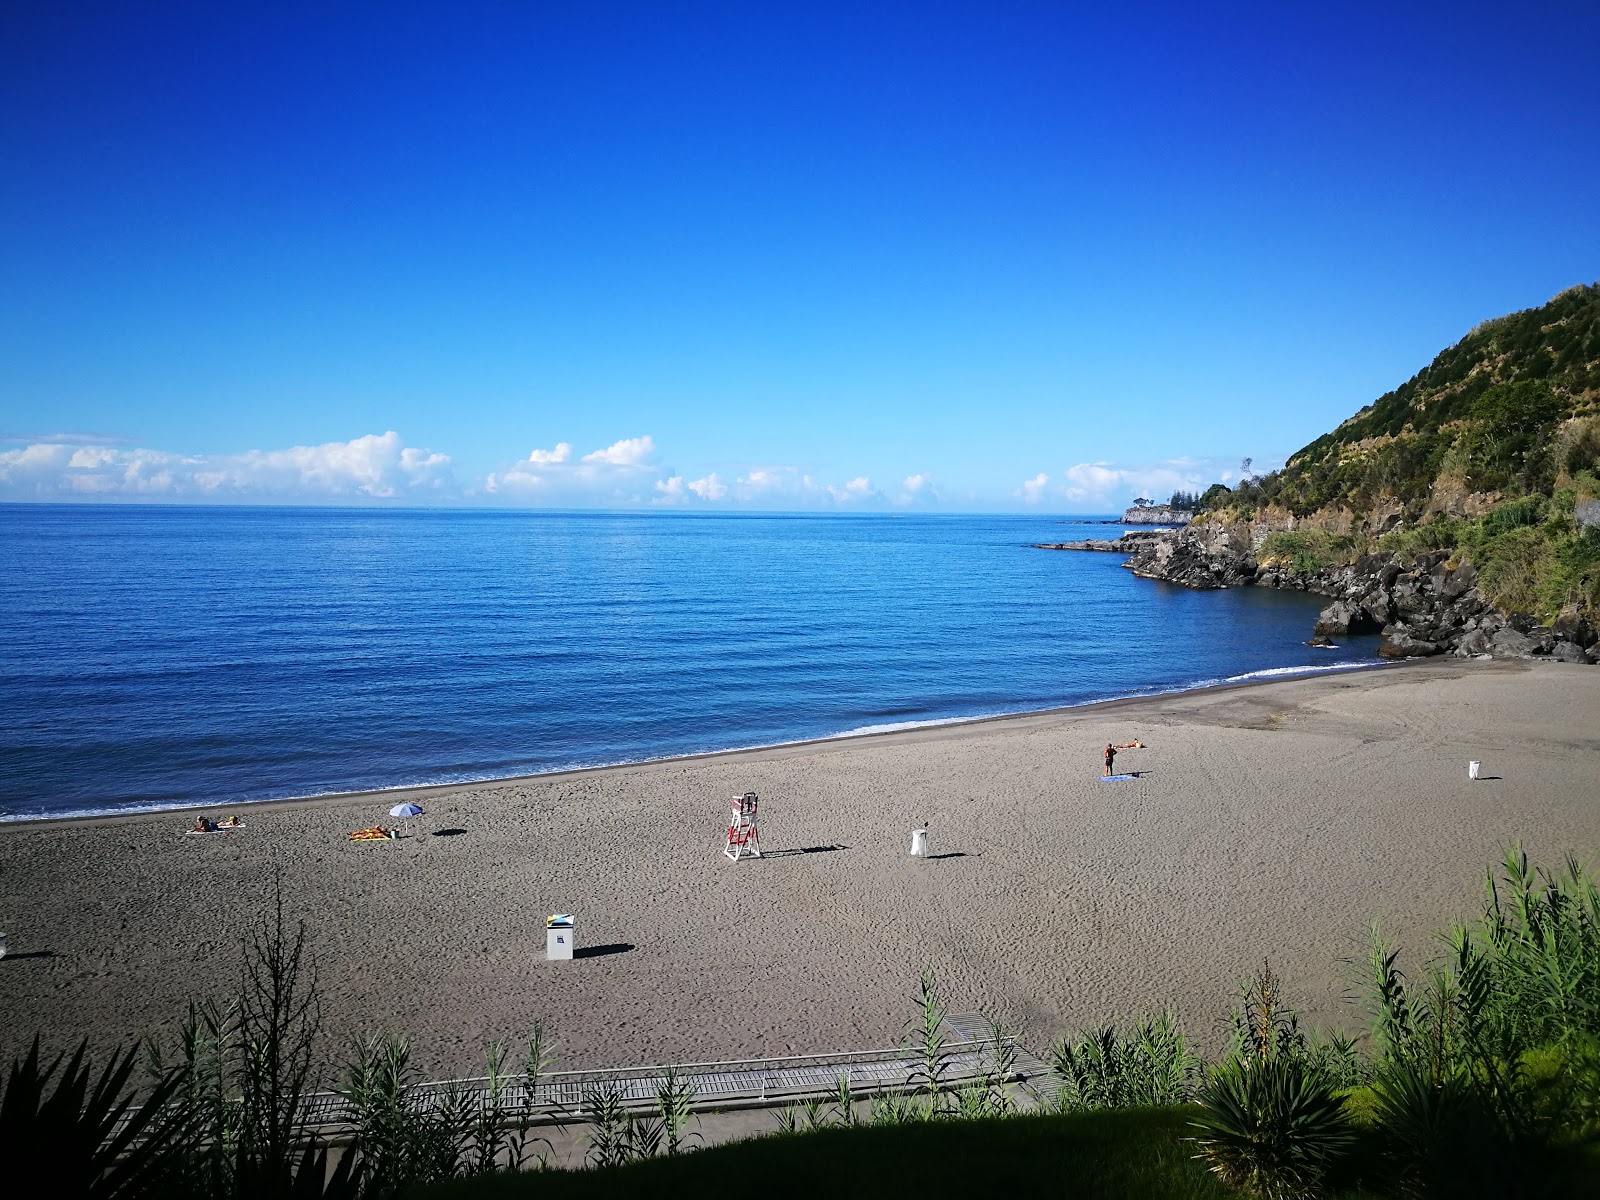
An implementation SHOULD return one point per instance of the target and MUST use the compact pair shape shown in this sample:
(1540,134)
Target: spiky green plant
(1272,1126)
(89,1134)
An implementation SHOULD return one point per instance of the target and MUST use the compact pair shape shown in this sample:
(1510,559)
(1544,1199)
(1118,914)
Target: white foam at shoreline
(150,807)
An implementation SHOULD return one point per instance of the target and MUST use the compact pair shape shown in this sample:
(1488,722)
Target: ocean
(164,657)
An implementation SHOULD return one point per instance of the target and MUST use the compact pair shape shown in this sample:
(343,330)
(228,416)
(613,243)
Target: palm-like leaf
(89,1133)
(1272,1126)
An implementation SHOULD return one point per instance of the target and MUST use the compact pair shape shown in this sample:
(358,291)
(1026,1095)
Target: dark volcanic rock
(1423,607)
(1342,618)
(1403,645)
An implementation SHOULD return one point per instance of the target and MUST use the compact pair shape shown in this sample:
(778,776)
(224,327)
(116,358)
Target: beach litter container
(558,936)
(919,843)
(1473,768)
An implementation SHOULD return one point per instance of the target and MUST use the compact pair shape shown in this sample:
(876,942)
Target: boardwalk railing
(561,1095)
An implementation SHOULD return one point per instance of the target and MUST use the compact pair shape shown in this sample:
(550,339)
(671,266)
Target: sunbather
(201,825)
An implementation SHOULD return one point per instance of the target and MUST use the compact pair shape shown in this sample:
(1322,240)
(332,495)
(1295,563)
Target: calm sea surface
(157,657)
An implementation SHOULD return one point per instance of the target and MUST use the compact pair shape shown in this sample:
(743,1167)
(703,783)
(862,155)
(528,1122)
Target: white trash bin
(1473,768)
(919,843)
(558,936)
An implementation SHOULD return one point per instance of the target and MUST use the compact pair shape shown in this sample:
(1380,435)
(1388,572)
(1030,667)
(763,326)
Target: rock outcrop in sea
(1424,607)
(1157,514)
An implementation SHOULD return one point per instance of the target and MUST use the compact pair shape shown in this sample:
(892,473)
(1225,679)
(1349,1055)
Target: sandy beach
(1275,820)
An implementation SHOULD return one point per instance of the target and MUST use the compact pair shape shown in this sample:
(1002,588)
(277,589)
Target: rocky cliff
(1157,514)
(1424,607)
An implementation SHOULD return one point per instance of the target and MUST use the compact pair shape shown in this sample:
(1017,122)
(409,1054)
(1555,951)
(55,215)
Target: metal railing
(561,1095)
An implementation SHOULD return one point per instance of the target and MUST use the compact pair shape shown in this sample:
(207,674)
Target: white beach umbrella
(406,811)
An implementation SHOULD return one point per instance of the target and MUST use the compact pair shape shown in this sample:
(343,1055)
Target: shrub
(1441,533)
(1307,550)
(1272,1126)
(1153,1064)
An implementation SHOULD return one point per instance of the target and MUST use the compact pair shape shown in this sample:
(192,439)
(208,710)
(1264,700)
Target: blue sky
(960,256)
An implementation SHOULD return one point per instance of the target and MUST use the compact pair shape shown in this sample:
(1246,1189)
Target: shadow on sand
(602,951)
(801,850)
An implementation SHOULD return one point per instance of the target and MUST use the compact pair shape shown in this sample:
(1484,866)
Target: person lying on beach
(1136,744)
(230,823)
(201,825)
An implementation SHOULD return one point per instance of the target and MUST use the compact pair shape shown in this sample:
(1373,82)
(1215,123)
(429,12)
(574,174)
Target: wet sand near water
(1274,820)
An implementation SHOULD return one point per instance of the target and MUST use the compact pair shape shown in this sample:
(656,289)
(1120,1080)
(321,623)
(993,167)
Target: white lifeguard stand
(743,839)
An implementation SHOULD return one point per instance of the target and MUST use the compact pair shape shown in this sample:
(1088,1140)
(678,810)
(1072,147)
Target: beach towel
(1118,778)
(214,829)
(376,834)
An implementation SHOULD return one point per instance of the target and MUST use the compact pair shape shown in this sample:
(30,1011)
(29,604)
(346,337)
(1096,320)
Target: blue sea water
(161,657)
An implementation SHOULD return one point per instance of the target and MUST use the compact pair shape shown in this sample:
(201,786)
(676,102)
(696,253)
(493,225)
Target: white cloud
(1032,490)
(1107,486)
(709,488)
(629,452)
(610,475)
(917,489)
(376,466)
(549,458)
(859,488)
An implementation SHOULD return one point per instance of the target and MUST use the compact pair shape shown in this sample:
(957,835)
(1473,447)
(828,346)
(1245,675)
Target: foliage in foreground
(1123,1155)
(1482,1079)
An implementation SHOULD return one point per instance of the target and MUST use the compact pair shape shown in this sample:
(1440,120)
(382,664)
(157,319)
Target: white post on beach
(1473,768)
(558,936)
(919,843)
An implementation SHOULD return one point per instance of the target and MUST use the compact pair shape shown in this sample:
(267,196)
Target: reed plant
(616,1135)
(675,1104)
(925,1037)
(1490,1061)
(1151,1064)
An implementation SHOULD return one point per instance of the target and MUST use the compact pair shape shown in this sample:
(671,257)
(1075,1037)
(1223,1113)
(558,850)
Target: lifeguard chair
(743,840)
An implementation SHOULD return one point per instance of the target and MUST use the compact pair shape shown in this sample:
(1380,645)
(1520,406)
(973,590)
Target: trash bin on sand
(919,843)
(1473,768)
(558,936)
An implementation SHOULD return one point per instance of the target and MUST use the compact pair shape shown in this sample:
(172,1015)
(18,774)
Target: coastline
(1272,821)
(415,792)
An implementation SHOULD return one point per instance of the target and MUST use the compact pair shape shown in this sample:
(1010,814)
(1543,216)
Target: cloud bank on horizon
(627,473)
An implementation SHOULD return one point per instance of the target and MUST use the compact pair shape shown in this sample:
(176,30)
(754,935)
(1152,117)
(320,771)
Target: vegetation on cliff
(1485,453)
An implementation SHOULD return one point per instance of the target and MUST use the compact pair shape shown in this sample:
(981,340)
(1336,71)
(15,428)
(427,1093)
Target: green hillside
(1496,411)
(1485,452)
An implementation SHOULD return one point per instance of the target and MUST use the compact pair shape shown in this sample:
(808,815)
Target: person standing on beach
(1111,757)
